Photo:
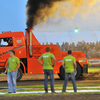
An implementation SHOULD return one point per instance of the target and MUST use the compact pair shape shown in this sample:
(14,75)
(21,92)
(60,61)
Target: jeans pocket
(72,75)
(51,72)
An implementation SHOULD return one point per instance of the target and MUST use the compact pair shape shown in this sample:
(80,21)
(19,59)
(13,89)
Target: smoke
(39,11)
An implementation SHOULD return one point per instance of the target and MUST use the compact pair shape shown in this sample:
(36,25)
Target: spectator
(9,43)
(68,63)
(48,68)
(11,69)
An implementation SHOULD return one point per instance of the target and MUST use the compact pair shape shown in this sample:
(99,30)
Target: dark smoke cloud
(33,7)
(39,11)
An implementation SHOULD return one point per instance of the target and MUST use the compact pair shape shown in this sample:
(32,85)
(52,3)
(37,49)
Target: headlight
(82,60)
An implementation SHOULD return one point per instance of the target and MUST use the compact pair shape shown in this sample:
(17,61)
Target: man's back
(47,59)
(69,63)
(48,68)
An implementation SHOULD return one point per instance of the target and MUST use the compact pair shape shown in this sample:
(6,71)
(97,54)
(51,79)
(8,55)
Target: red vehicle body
(28,50)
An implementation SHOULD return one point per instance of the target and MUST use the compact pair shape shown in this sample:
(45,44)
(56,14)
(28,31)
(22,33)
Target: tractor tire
(62,72)
(79,72)
(19,74)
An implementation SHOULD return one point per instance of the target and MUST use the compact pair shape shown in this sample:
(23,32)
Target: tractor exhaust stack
(30,43)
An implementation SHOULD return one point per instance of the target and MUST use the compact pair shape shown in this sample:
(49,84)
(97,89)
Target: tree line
(92,49)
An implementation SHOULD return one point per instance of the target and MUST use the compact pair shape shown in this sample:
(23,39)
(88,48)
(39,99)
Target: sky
(13,18)
(12,15)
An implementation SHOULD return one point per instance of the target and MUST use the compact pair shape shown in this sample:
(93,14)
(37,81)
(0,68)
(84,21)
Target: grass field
(66,93)
(93,69)
(57,87)
(41,86)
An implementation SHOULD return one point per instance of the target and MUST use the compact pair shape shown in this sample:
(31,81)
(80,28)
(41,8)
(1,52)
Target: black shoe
(14,92)
(53,92)
(9,92)
(46,91)
(63,91)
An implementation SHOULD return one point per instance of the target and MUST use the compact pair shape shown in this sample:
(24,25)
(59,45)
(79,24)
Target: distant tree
(51,43)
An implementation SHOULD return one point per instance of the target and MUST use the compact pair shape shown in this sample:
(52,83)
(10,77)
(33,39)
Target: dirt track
(54,97)
(91,78)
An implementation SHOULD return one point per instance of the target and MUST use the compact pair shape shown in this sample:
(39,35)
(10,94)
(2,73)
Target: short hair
(69,51)
(8,40)
(48,49)
(12,51)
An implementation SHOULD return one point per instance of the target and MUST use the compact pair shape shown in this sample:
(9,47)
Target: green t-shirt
(13,63)
(47,59)
(69,64)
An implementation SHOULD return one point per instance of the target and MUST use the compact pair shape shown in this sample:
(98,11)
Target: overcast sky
(13,18)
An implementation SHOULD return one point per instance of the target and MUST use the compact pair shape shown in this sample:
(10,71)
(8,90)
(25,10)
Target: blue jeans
(51,74)
(72,76)
(11,78)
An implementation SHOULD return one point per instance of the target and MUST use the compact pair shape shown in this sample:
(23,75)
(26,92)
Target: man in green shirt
(11,69)
(69,63)
(48,68)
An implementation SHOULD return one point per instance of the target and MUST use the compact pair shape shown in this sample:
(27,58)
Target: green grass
(93,69)
(65,93)
(41,89)
(50,90)
(41,86)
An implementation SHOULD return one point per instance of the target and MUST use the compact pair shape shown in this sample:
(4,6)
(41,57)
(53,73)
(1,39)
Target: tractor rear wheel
(19,74)
(62,72)
(79,72)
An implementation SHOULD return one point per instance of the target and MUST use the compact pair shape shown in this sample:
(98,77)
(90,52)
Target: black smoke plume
(34,7)
(38,11)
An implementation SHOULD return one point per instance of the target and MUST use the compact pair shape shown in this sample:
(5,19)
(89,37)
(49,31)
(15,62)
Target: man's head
(48,49)
(12,53)
(69,52)
(9,41)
